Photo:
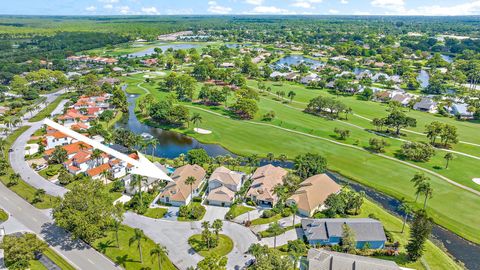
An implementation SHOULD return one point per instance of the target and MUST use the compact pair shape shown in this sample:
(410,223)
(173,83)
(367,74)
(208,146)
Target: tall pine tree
(419,232)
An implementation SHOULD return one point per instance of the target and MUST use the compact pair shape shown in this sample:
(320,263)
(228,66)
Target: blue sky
(174,7)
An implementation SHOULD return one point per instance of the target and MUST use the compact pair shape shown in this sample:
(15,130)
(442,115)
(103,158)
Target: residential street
(174,235)
(77,253)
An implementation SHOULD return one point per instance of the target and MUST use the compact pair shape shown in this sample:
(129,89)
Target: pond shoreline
(458,247)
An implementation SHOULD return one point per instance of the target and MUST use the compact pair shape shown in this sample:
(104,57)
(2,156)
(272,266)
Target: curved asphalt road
(76,252)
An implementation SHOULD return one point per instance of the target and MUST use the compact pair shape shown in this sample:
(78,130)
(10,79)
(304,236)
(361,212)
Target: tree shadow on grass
(56,236)
(103,246)
(122,260)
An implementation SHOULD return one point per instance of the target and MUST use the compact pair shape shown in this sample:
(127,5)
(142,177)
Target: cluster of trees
(447,133)
(327,106)
(417,151)
(309,164)
(246,106)
(211,239)
(182,84)
(396,120)
(19,250)
(164,111)
(343,203)
(422,187)
(211,95)
(266,258)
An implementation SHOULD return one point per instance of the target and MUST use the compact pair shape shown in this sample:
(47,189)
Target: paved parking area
(215,212)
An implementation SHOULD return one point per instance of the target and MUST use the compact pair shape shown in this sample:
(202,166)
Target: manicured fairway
(282,137)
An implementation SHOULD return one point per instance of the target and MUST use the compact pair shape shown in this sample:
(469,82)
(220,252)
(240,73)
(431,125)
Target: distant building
(426,105)
(321,259)
(312,77)
(328,231)
(460,110)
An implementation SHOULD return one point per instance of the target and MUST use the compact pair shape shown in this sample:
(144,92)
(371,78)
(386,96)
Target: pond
(294,60)
(172,144)
(164,47)
(423,78)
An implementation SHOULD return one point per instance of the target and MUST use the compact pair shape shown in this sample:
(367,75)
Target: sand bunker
(202,131)
(476,180)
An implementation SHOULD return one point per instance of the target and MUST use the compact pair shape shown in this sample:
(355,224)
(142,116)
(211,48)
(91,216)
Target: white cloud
(91,8)
(150,10)
(124,10)
(305,3)
(213,7)
(270,10)
(254,2)
(344,2)
(108,1)
(108,6)
(397,7)
(333,11)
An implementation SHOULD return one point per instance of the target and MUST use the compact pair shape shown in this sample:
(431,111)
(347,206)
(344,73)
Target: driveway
(254,214)
(172,213)
(284,238)
(284,222)
(215,212)
(174,236)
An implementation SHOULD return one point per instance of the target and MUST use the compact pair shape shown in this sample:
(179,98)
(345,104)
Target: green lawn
(48,109)
(50,171)
(158,212)
(434,257)
(3,215)
(237,210)
(260,221)
(23,189)
(282,137)
(224,246)
(36,265)
(128,256)
(57,259)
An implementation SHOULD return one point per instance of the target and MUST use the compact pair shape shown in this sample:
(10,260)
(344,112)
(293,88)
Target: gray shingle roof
(365,229)
(320,259)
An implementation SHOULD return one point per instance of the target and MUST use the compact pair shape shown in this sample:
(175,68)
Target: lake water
(447,58)
(176,46)
(172,144)
(296,60)
(423,78)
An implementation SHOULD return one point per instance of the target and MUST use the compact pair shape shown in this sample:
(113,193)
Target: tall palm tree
(96,154)
(417,181)
(153,143)
(196,119)
(294,208)
(3,144)
(407,211)
(190,181)
(158,251)
(105,175)
(449,156)
(138,180)
(427,190)
(217,227)
(137,237)
(276,230)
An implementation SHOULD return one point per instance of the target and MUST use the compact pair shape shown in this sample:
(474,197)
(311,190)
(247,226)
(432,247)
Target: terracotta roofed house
(178,193)
(264,179)
(312,194)
(222,185)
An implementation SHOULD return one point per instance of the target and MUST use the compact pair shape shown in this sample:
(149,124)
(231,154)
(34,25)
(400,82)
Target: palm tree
(206,227)
(281,193)
(96,154)
(270,157)
(291,95)
(105,175)
(158,251)
(294,208)
(153,143)
(217,227)
(138,180)
(276,230)
(449,156)
(196,119)
(137,237)
(418,181)
(190,181)
(407,210)
(427,190)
